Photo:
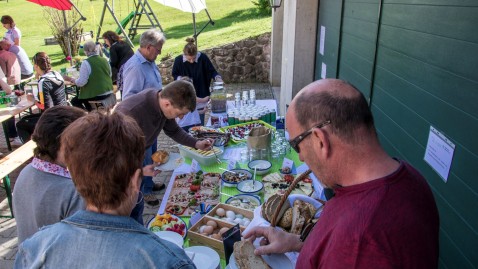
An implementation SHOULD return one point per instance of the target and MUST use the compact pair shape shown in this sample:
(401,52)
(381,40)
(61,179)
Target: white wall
(298,47)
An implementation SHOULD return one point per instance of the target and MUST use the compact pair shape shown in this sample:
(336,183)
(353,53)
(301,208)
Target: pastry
(160,156)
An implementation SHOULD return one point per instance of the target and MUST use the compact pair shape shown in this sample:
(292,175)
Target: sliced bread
(247,259)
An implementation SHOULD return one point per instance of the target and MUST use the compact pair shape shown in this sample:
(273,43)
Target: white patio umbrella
(190,6)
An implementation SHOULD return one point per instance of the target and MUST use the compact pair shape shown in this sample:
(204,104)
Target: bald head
(335,100)
(4,44)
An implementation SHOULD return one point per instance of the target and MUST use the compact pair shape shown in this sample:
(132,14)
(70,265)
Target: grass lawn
(234,20)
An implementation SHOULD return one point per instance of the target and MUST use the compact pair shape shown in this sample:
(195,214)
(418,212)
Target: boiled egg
(212,224)
(221,212)
(230,214)
(208,230)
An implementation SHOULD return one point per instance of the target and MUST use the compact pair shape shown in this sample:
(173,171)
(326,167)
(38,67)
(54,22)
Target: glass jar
(218,100)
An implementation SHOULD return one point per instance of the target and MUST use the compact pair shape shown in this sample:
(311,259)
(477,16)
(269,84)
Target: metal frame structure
(196,34)
(112,12)
(143,8)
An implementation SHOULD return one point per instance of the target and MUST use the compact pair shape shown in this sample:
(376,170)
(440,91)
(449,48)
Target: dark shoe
(158,186)
(151,199)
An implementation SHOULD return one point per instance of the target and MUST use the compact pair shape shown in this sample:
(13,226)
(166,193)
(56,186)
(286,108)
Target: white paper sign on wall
(439,153)
(322,40)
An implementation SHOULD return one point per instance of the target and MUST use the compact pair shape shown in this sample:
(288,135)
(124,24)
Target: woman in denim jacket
(104,154)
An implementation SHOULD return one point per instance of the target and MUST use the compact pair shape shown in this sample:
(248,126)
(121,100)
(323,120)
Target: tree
(56,22)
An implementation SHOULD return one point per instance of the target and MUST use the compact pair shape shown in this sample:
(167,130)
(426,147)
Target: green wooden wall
(331,20)
(422,72)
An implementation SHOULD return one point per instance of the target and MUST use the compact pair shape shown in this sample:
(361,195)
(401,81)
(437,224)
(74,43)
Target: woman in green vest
(94,82)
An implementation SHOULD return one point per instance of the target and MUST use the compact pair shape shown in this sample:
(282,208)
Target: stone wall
(247,60)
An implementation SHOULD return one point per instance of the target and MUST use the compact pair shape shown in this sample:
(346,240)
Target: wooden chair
(11,162)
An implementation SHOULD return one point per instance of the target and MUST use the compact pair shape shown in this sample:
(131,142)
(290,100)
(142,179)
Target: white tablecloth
(269,103)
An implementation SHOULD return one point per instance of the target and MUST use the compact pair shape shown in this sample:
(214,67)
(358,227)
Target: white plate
(173,162)
(148,226)
(173,237)
(204,257)
(275,261)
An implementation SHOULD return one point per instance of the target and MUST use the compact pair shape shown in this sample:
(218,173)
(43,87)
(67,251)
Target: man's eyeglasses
(294,143)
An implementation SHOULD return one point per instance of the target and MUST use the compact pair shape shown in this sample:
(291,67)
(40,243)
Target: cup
(215,122)
(245,155)
(14,100)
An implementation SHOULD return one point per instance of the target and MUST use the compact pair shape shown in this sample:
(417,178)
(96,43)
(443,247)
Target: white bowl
(250,186)
(262,166)
(173,237)
(237,201)
(243,174)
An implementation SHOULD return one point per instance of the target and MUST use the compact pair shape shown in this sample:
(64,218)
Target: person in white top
(192,118)
(13,34)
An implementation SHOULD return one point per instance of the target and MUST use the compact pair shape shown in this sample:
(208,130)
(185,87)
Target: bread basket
(275,216)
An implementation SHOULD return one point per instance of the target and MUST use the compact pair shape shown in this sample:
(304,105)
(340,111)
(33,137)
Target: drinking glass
(245,155)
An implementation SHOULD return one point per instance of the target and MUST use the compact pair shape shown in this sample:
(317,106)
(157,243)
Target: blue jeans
(146,185)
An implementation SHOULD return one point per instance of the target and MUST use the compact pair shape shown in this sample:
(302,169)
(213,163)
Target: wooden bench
(11,162)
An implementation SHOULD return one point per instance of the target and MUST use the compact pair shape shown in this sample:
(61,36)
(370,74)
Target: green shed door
(358,43)
(426,74)
(422,72)
(329,25)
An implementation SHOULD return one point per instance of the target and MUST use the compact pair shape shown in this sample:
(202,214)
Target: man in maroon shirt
(383,214)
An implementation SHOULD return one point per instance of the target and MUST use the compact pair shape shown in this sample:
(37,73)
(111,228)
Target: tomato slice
(307,180)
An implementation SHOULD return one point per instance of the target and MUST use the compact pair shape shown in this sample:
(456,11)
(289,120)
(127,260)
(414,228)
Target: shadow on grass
(224,22)
(57,59)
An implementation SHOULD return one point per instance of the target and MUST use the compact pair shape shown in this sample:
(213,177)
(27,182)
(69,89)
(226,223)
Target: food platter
(190,189)
(240,132)
(277,183)
(204,157)
(168,222)
(202,132)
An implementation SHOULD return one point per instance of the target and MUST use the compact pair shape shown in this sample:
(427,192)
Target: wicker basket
(275,219)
